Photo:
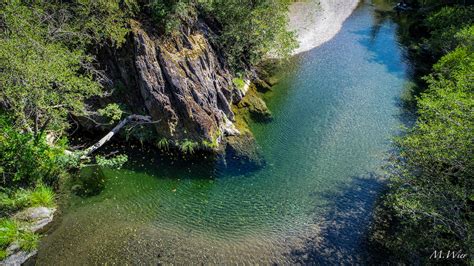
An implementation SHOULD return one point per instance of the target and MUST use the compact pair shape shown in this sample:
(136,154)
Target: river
(335,111)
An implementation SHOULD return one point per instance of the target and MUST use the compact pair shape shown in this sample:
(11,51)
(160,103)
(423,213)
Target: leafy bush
(445,24)
(25,160)
(252,29)
(111,111)
(113,162)
(170,13)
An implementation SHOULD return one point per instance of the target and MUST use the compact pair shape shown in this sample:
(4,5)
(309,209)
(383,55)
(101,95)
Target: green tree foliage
(445,24)
(46,71)
(252,29)
(248,30)
(25,160)
(168,14)
(432,188)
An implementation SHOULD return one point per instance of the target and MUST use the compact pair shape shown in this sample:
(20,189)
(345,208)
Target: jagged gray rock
(181,79)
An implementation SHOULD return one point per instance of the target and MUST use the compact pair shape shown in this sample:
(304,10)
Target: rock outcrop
(181,81)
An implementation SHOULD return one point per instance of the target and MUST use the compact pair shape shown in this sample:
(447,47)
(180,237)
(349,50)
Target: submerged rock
(255,105)
(243,153)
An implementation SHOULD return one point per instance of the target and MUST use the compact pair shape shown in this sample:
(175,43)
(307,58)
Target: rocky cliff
(180,80)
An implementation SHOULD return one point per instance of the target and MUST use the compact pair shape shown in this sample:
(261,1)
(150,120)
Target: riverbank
(318,21)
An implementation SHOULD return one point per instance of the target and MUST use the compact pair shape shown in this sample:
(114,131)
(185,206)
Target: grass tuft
(24,198)
(163,144)
(239,83)
(42,196)
(188,146)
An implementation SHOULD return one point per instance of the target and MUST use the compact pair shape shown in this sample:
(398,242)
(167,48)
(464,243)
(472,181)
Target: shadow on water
(197,165)
(344,227)
(378,39)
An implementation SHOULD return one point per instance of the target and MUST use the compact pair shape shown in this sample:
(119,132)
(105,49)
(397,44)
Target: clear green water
(334,114)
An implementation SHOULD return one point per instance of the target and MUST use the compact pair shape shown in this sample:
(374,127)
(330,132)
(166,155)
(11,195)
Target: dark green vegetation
(429,205)
(48,71)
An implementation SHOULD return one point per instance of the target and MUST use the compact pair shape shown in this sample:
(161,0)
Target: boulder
(38,218)
(18,258)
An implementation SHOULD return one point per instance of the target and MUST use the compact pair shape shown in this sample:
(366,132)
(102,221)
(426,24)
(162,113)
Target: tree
(251,30)
(431,181)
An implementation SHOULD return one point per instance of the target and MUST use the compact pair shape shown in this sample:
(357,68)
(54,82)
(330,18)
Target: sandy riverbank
(317,21)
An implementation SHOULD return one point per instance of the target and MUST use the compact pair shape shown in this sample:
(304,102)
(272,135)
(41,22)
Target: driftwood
(131,118)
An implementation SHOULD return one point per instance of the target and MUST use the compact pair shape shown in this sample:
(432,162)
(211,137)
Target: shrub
(444,25)
(25,160)
(251,29)
(169,13)
(116,161)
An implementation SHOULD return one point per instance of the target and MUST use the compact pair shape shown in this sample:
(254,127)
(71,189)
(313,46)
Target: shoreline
(318,21)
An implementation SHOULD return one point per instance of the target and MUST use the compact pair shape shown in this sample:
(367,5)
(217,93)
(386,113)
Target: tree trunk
(115,130)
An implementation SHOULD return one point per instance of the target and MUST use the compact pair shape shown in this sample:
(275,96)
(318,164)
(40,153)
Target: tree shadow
(201,164)
(345,226)
(377,38)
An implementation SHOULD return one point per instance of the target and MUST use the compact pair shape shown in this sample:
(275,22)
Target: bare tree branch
(116,129)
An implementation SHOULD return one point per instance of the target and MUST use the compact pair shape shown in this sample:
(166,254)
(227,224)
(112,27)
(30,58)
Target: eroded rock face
(181,80)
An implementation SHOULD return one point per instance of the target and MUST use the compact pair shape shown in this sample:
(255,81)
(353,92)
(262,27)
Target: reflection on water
(334,114)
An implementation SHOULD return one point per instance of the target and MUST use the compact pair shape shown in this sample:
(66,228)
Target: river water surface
(334,111)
